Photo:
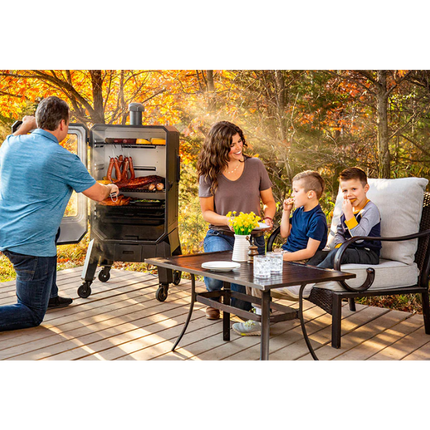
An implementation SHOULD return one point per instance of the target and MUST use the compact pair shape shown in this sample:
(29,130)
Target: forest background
(293,120)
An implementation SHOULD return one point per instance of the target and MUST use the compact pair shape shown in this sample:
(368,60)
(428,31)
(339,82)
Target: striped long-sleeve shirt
(366,222)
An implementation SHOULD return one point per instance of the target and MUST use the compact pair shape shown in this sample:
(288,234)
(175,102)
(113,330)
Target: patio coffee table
(292,274)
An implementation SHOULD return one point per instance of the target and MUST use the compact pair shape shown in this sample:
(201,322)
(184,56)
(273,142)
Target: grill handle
(178,168)
(16,125)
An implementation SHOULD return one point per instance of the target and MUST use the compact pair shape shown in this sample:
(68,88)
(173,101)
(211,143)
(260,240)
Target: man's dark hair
(50,112)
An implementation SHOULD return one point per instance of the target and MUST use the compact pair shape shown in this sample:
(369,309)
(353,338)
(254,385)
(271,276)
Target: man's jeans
(216,241)
(35,277)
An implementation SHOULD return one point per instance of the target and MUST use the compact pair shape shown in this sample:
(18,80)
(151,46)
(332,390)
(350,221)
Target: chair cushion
(400,204)
(388,274)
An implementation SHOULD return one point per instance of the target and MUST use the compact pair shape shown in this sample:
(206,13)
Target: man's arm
(99,192)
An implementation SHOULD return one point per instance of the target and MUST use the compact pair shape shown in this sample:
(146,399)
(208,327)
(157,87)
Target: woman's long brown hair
(213,157)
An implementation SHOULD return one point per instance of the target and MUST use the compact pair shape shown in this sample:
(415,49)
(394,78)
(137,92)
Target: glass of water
(261,266)
(276,261)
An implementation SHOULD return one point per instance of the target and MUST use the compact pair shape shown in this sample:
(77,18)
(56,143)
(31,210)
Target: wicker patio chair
(329,298)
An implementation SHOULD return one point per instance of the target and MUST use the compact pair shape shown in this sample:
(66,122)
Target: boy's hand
(287,206)
(347,209)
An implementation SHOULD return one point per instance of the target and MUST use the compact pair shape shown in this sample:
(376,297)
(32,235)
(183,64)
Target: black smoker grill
(147,227)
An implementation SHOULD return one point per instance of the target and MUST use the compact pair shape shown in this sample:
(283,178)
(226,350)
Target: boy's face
(299,194)
(354,191)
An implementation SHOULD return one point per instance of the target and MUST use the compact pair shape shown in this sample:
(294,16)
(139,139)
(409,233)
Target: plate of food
(261,226)
(220,266)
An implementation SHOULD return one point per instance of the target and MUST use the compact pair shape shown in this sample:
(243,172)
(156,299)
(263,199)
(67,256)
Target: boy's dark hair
(353,173)
(50,112)
(311,181)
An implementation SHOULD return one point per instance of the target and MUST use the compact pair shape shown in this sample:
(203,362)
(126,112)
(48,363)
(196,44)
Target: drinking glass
(276,261)
(261,266)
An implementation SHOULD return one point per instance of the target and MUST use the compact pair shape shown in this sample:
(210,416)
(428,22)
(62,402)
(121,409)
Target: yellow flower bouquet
(243,224)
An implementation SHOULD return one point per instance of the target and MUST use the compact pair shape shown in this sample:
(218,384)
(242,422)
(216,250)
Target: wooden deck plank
(404,346)
(122,320)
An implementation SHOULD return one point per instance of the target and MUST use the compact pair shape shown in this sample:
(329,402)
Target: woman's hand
(269,222)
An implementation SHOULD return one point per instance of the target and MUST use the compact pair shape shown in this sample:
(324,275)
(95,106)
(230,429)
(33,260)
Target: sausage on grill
(110,168)
(117,171)
(130,160)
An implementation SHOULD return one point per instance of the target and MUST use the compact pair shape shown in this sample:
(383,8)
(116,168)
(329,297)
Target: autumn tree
(95,96)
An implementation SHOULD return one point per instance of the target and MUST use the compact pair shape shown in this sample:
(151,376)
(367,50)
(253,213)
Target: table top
(292,274)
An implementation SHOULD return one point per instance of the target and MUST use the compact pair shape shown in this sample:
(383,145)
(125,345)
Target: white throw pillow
(400,204)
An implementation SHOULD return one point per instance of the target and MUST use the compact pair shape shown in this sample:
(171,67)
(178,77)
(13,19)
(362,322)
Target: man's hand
(114,190)
(28,124)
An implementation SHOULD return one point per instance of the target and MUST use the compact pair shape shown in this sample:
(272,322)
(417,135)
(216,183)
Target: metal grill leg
(226,315)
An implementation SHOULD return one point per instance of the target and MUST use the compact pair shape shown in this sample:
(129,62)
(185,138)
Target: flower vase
(240,248)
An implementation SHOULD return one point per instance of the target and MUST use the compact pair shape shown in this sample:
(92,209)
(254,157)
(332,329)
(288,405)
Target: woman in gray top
(229,180)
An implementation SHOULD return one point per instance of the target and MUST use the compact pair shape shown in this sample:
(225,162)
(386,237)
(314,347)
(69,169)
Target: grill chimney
(136,110)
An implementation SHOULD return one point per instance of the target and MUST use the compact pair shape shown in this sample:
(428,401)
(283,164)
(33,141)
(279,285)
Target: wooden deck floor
(122,320)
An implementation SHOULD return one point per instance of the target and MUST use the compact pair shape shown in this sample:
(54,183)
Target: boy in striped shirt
(360,217)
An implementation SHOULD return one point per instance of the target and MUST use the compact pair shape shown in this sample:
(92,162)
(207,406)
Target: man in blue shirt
(37,177)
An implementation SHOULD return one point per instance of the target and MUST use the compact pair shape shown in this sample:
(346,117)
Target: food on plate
(104,182)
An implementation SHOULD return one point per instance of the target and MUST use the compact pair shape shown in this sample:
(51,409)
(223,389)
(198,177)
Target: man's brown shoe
(212,313)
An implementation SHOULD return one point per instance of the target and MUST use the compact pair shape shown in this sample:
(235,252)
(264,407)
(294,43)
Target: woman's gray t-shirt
(241,195)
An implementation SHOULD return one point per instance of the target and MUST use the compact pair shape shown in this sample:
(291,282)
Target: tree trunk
(382,120)
(281,101)
(210,90)
(210,79)
(97,84)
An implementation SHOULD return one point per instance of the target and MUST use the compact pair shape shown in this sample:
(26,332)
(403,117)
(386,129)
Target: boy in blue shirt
(306,231)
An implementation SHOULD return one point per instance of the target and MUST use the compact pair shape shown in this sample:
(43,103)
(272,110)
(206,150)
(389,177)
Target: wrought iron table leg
(302,322)
(190,312)
(265,326)
(226,315)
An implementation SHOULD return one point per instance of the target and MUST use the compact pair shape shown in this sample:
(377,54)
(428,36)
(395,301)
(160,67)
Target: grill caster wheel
(162,292)
(84,290)
(104,275)
(177,277)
